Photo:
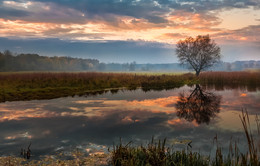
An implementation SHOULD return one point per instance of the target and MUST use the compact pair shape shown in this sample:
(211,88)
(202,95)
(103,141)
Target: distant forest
(33,62)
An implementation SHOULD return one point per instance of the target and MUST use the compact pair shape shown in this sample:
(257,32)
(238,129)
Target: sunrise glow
(232,25)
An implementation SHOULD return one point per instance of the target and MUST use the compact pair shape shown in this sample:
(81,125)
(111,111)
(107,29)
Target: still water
(93,123)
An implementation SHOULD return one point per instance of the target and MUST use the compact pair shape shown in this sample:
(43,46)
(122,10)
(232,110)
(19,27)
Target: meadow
(48,85)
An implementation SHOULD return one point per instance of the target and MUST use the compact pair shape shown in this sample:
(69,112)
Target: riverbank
(35,86)
(30,86)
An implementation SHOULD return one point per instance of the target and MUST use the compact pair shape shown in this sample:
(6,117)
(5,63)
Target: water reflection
(64,124)
(200,106)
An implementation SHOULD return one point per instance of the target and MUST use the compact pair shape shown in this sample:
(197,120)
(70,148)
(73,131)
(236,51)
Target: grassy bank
(28,86)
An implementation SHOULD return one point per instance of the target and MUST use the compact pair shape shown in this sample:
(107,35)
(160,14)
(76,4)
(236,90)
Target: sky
(144,31)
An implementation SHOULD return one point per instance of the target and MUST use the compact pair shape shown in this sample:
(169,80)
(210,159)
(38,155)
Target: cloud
(106,9)
(173,35)
(194,21)
(247,34)
(164,21)
(103,50)
(11,13)
(110,11)
(48,12)
(144,8)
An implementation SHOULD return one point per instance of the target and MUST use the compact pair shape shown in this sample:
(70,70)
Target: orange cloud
(8,115)
(247,34)
(178,24)
(195,21)
(176,121)
(161,102)
(243,95)
(159,105)
(182,122)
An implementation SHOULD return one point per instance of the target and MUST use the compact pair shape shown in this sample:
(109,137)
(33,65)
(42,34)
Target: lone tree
(198,53)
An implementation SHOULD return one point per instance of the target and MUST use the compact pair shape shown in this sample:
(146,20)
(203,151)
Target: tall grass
(253,147)
(156,153)
(250,80)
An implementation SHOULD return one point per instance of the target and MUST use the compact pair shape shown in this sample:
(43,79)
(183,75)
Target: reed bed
(246,79)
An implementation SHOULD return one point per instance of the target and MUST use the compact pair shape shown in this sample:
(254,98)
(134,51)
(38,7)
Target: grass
(158,154)
(28,86)
(155,153)
(246,79)
(16,86)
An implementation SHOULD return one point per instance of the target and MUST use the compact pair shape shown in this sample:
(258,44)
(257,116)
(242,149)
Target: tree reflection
(200,106)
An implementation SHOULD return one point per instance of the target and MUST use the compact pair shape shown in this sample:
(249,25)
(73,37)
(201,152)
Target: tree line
(35,62)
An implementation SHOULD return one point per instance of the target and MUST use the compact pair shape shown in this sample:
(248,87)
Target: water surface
(93,123)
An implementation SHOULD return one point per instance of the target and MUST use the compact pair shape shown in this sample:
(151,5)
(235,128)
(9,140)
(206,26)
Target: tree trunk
(197,73)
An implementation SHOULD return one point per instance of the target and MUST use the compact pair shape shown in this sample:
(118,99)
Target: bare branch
(198,53)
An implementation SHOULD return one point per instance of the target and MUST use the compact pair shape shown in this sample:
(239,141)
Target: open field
(44,85)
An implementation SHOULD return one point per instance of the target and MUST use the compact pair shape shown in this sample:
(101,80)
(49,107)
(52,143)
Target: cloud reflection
(131,115)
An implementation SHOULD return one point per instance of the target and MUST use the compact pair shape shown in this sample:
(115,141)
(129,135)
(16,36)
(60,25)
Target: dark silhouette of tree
(198,53)
(200,106)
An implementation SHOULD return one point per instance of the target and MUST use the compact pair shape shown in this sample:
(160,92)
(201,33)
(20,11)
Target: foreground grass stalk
(157,154)
(252,147)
